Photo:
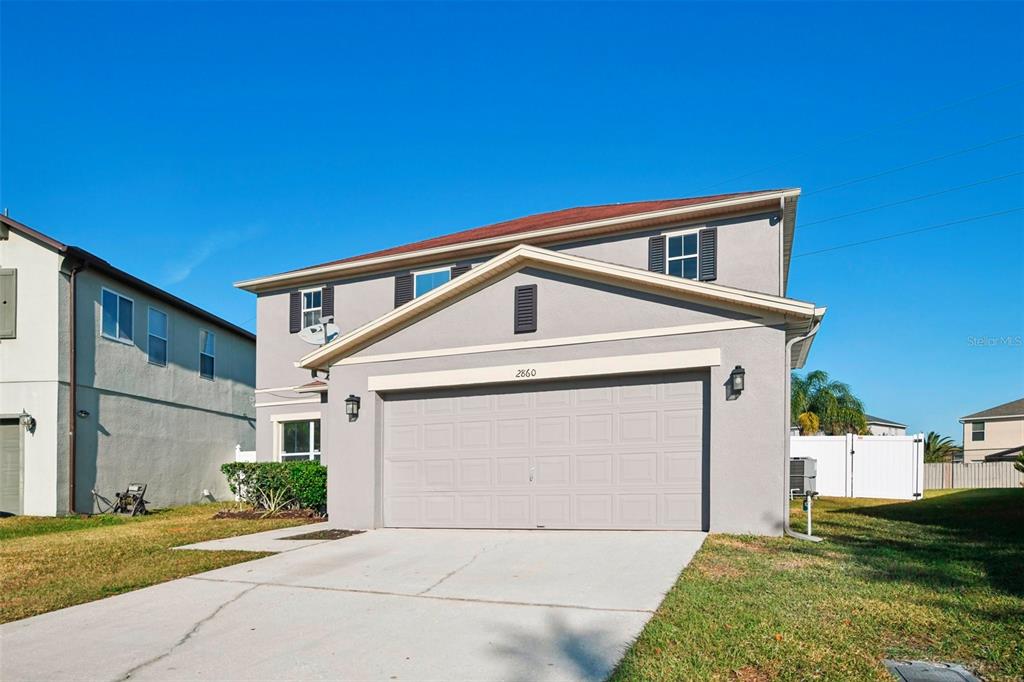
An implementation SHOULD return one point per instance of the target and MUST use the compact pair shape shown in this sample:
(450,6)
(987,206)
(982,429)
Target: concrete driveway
(384,605)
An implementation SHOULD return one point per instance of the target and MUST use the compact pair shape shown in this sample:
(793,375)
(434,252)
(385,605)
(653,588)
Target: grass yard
(50,563)
(940,579)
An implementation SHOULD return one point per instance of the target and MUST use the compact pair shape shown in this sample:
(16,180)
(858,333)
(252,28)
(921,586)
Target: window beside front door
(977,431)
(681,259)
(312,307)
(300,440)
(428,280)
(117,316)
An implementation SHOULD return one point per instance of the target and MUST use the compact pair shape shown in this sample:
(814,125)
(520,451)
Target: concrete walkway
(384,605)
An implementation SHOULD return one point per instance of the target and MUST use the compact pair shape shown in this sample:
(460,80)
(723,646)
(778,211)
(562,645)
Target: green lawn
(940,579)
(50,563)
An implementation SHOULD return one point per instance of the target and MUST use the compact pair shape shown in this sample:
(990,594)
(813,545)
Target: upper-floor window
(157,344)
(118,313)
(977,430)
(681,259)
(207,351)
(312,306)
(428,280)
(300,440)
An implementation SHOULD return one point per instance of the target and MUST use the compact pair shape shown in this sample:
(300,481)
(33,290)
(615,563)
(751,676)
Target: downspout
(785,464)
(73,385)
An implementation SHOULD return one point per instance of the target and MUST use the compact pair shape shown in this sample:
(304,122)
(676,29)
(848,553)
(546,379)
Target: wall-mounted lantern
(352,407)
(737,380)
(27,421)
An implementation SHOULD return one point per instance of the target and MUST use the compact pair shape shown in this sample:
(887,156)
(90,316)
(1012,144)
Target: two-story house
(107,380)
(618,366)
(994,434)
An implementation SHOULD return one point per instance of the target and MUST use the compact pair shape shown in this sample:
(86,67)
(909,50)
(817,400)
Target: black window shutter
(526,309)
(294,312)
(708,244)
(460,270)
(656,254)
(403,289)
(327,301)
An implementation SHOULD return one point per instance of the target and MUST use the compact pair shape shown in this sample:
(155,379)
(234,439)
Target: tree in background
(1019,463)
(837,410)
(939,448)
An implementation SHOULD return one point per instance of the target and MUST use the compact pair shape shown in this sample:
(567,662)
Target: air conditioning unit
(803,474)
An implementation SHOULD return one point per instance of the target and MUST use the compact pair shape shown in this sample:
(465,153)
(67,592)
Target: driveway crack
(187,636)
(473,558)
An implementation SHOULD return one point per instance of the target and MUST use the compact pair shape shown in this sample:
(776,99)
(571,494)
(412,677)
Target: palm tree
(838,411)
(938,448)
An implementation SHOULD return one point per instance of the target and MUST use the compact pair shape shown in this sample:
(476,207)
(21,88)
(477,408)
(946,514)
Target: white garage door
(610,453)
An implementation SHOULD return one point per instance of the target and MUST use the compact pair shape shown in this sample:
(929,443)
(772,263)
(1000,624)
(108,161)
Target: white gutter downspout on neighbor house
(785,465)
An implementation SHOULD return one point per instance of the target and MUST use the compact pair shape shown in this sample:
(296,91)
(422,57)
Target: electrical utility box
(803,474)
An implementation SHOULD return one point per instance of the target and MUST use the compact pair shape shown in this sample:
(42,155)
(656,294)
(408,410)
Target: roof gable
(524,256)
(546,228)
(1014,408)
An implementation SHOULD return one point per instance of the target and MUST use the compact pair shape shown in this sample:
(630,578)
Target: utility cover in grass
(926,671)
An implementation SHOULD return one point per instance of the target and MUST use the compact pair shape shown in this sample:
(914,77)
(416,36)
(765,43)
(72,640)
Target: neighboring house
(884,427)
(992,431)
(574,369)
(106,380)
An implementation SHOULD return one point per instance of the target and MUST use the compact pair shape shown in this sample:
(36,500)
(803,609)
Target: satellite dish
(319,334)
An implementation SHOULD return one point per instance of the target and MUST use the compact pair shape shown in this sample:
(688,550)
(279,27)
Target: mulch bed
(254,514)
(329,534)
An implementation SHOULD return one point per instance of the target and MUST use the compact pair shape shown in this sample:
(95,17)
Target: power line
(870,131)
(908,232)
(933,159)
(912,199)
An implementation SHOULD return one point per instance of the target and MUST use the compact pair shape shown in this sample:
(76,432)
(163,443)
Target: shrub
(290,484)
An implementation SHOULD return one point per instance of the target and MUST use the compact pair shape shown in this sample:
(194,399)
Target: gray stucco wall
(746,435)
(161,425)
(748,258)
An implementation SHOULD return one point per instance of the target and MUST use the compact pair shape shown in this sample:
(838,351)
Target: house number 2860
(525,373)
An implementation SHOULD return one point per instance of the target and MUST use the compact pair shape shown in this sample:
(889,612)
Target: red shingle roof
(541,221)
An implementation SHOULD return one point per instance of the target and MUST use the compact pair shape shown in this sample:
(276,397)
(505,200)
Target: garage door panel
(513,433)
(638,468)
(638,427)
(439,436)
(682,469)
(553,470)
(625,453)
(552,431)
(513,511)
(512,471)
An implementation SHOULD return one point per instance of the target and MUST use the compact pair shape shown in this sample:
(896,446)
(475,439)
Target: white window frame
(430,271)
(281,419)
(212,356)
(150,335)
(128,342)
(304,309)
(975,431)
(695,257)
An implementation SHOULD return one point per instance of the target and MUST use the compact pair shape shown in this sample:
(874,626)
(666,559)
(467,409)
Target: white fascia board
(544,371)
(339,269)
(522,255)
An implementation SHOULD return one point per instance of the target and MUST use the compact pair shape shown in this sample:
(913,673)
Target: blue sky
(196,144)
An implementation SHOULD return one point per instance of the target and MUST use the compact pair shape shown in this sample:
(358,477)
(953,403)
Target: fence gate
(888,467)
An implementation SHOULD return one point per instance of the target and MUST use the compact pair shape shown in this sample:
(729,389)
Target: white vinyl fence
(888,467)
(971,475)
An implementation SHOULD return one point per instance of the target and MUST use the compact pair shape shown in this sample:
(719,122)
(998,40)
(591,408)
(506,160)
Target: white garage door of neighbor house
(621,453)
